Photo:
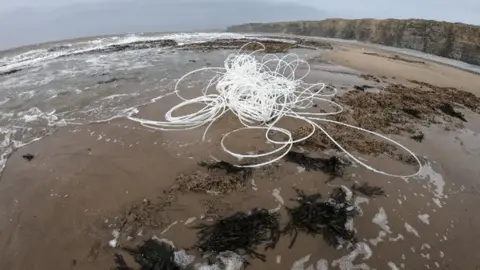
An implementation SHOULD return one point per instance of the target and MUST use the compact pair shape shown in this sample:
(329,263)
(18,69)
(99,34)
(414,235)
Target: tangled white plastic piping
(260,96)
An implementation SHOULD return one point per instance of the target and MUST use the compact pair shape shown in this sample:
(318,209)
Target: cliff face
(452,40)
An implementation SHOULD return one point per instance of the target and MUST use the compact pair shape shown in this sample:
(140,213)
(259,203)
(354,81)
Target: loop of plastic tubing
(260,93)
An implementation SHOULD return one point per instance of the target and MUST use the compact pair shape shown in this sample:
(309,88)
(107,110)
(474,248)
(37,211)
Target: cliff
(452,40)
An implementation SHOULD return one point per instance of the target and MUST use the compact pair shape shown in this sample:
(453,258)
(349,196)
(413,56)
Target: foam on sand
(347,262)
(424,218)
(411,230)
(381,220)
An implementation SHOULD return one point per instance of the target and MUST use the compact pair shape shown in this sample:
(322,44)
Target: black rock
(28,157)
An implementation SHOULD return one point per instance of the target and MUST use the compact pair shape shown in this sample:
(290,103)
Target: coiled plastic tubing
(260,92)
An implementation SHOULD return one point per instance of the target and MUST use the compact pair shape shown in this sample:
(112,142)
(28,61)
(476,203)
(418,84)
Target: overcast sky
(30,21)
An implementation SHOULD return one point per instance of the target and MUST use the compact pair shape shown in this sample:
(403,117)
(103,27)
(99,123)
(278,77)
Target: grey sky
(451,10)
(30,21)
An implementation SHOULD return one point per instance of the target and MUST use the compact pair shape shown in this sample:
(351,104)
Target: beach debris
(329,218)
(214,183)
(332,166)
(28,157)
(418,136)
(447,108)
(368,190)
(241,233)
(146,214)
(153,254)
(229,168)
(216,207)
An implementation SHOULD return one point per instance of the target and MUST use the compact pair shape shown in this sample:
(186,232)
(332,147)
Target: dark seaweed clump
(367,190)
(28,157)
(418,136)
(413,112)
(332,166)
(448,109)
(241,233)
(362,88)
(316,216)
(229,168)
(151,255)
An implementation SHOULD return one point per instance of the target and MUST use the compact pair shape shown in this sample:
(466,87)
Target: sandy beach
(85,182)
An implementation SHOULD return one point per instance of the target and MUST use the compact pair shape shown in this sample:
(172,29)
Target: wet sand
(58,210)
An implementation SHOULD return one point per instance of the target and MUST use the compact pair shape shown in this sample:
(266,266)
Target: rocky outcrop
(452,40)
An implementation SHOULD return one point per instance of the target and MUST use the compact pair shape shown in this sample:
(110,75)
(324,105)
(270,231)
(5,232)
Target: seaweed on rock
(449,110)
(241,233)
(229,168)
(329,218)
(151,255)
(332,166)
(368,190)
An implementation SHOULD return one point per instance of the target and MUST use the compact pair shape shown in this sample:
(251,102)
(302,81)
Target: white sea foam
(114,241)
(322,264)
(224,261)
(375,241)
(381,220)
(278,198)
(347,262)
(36,57)
(436,179)
(411,230)
(424,218)
(399,237)
(392,266)
(358,201)
(300,264)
